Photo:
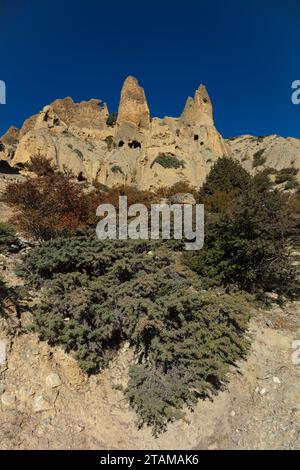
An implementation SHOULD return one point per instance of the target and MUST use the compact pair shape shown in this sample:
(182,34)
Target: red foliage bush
(51,205)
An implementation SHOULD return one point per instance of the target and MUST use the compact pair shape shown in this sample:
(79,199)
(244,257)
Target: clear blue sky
(246,52)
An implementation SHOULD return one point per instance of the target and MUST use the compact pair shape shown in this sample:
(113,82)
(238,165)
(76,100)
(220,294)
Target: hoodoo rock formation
(137,149)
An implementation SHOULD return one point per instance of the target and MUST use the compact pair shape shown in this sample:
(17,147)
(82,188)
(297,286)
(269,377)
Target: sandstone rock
(76,136)
(41,404)
(87,114)
(24,394)
(133,106)
(272,296)
(11,137)
(198,110)
(182,198)
(258,153)
(8,399)
(3,346)
(53,380)
(8,143)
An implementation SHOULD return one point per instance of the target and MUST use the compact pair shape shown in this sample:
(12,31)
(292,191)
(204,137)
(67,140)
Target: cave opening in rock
(196,137)
(121,143)
(80,177)
(6,168)
(201,143)
(134,144)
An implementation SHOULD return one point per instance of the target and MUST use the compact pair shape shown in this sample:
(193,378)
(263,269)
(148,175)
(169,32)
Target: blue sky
(245,52)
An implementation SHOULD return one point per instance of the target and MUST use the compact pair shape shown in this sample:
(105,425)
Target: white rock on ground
(53,380)
(41,404)
(8,399)
(2,352)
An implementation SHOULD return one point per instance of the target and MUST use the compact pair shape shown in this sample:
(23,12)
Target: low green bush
(96,295)
(259,158)
(168,160)
(248,247)
(292,184)
(226,174)
(7,237)
(286,174)
(117,169)
(10,301)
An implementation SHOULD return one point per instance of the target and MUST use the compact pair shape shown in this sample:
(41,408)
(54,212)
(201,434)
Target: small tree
(223,186)
(248,247)
(226,175)
(51,205)
(41,166)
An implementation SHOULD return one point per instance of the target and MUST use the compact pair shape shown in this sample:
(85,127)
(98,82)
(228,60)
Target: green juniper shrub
(292,216)
(98,294)
(3,295)
(179,187)
(168,160)
(261,181)
(248,247)
(10,302)
(82,253)
(112,120)
(226,174)
(188,339)
(286,174)
(79,154)
(110,142)
(224,184)
(246,232)
(259,158)
(117,169)
(7,237)
(292,184)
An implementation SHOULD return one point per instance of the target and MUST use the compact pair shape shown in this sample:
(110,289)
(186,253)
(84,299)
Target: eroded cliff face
(136,149)
(277,154)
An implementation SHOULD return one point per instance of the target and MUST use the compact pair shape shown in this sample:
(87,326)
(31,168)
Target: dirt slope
(47,403)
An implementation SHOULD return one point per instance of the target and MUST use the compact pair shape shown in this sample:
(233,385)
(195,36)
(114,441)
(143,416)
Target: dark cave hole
(134,144)
(80,177)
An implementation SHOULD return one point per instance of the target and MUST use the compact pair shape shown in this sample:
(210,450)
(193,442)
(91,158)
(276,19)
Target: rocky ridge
(135,148)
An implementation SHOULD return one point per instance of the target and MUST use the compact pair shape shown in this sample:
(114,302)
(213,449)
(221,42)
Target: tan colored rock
(8,399)
(8,143)
(41,404)
(28,125)
(133,106)
(76,136)
(11,137)
(53,380)
(87,114)
(3,348)
(273,152)
(198,110)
